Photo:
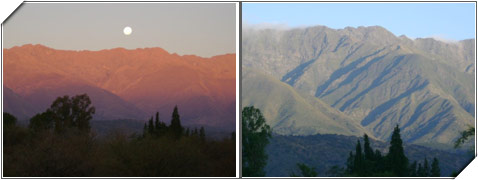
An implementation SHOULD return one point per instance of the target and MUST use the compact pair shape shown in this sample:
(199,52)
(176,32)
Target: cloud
(261,26)
(443,38)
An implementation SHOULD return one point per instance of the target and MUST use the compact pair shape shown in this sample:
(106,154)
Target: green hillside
(290,112)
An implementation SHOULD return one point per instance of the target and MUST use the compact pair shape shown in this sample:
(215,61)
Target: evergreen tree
(426,168)
(195,133)
(145,130)
(255,137)
(358,160)
(150,126)
(175,126)
(187,132)
(435,172)
(350,164)
(202,134)
(413,169)
(420,171)
(397,162)
(368,151)
(157,125)
(305,171)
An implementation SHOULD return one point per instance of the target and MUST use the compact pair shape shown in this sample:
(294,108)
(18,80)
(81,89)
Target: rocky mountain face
(127,84)
(376,79)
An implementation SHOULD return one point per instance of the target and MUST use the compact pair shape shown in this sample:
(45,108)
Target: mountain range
(365,79)
(122,83)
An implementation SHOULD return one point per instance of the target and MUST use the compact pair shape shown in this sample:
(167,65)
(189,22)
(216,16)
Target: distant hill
(325,151)
(127,84)
(374,77)
(289,112)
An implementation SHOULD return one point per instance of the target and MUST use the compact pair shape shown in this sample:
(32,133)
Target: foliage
(255,137)
(305,171)
(464,136)
(40,151)
(395,163)
(9,120)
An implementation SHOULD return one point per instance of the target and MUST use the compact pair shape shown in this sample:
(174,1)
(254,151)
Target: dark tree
(350,163)
(305,171)
(426,168)
(358,160)
(420,171)
(74,112)
(368,151)
(150,126)
(157,125)
(396,159)
(9,120)
(435,172)
(175,126)
(41,122)
(255,137)
(188,132)
(464,136)
(413,169)
(202,134)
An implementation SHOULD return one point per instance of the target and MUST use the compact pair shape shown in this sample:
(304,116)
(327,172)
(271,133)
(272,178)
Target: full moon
(127,30)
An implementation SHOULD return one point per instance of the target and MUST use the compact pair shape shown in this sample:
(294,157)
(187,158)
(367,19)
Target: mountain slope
(147,80)
(289,112)
(14,104)
(378,79)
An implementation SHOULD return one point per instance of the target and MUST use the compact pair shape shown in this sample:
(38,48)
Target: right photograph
(357,89)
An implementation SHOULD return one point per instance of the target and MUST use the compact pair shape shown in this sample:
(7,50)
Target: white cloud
(443,38)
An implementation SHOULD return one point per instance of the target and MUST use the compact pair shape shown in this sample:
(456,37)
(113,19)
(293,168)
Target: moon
(127,30)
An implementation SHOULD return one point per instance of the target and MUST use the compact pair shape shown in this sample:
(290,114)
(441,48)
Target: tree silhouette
(9,120)
(435,171)
(42,121)
(358,160)
(413,169)
(255,137)
(396,159)
(202,134)
(67,113)
(175,126)
(305,171)
(426,168)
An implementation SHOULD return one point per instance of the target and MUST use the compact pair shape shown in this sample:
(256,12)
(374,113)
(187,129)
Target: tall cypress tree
(358,160)
(350,163)
(368,151)
(435,172)
(397,161)
(150,126)
(420,172)
(413,169)
(157,125)
(175,126)
(202,134)
(426,168)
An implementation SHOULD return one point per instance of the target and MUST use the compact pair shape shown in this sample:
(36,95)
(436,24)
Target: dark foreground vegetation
(58,143)
(326,155)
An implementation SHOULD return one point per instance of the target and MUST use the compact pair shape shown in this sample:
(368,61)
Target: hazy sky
(204,29)
(453,21)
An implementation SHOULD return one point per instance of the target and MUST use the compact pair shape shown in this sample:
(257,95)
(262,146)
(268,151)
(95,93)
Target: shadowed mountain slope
(379,80)
(128,83)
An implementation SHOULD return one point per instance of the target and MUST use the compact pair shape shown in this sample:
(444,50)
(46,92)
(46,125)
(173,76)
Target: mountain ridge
(148,79)
(374,77)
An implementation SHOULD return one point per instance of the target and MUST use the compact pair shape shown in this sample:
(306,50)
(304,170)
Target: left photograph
(120,90)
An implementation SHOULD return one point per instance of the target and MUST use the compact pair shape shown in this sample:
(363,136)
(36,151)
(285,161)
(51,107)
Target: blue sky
(449,21)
